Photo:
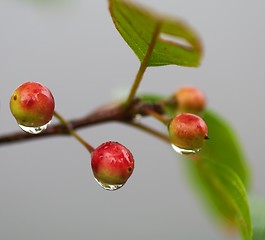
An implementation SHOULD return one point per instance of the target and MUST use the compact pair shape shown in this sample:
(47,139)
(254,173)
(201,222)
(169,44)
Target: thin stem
(150,130)
(111,112)
(73,133)
(144,65)
(158,116)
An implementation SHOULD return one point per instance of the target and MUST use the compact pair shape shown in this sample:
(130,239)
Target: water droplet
(109,187)
(34,130)
(138,118)
(183,151)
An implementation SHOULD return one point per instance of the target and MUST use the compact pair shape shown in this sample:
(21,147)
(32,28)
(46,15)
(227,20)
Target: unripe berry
(32,105)
(188,132)
(190,99)
(112,165)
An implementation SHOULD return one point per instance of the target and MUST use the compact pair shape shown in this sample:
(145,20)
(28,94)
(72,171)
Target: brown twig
(107,113)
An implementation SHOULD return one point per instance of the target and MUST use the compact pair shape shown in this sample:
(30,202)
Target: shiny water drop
(183,151)
(109,187)
(34,130)
(138,118)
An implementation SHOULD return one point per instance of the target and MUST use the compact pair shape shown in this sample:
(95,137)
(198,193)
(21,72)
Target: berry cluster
(187,130)
(32,105)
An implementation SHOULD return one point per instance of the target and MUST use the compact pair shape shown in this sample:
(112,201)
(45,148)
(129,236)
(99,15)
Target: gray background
(47,187)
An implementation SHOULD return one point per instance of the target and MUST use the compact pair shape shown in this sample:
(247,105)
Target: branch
(108,113)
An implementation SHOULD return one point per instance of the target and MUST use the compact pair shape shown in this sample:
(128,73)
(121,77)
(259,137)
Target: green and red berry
(188,131)
(32,104)
(190,99)
(112,165)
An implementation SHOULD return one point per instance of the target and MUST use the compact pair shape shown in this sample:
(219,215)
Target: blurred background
(47,186)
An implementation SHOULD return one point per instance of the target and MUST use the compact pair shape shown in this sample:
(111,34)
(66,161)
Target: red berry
(190,99)
(188,132)
(112,165)
(32,104)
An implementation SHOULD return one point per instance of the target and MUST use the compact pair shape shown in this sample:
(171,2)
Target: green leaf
(224,147)
(150,97)
(177,43)
(257,207)
(224,190)
(222,177)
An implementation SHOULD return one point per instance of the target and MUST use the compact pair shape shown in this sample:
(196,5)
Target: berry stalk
(74,133)
(158,116)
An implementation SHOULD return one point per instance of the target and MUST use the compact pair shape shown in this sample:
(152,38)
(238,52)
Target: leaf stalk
(143,66)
